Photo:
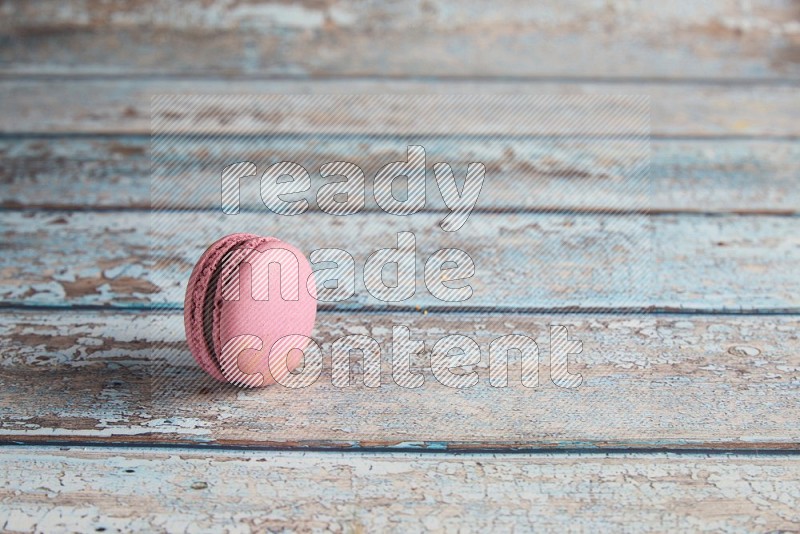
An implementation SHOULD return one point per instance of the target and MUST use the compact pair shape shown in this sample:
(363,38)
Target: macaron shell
(258,303)
(197,290)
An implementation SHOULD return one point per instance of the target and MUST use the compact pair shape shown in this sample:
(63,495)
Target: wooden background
(691,422)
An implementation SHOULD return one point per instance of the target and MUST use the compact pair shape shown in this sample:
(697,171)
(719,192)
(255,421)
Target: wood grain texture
(438,38)
(532,175)
(521,260)
(649,382)
(186,490)
(123,106)
(76,83)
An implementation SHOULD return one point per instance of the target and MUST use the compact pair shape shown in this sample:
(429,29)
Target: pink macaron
(249,310)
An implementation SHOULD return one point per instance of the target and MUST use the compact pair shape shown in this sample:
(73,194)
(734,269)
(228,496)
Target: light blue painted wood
(522,260)
(697,176)
(667,381)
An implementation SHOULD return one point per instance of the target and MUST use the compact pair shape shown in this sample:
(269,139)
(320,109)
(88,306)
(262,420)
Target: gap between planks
(423,448)
(22,76)
(440,310)
(418,450)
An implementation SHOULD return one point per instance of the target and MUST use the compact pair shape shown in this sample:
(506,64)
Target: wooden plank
(696,176)
(664,381)
(88,490)
(439,38)
(522,260)
(123,106)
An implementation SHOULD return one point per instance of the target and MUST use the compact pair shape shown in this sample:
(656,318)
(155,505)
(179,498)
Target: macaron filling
(200,300)
(259,318)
